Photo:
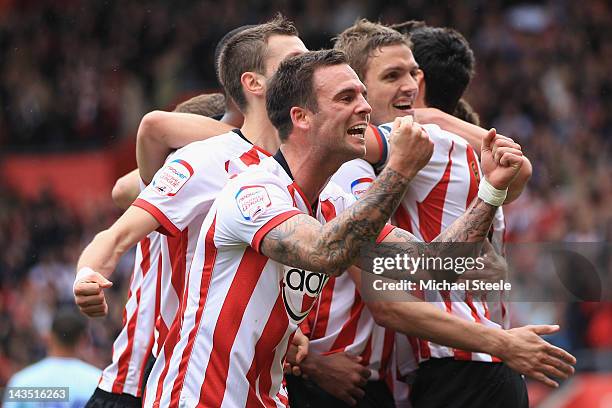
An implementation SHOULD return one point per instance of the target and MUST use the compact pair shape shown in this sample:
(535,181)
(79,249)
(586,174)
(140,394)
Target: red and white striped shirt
(132,346)
(179,197)
(340,321)
(437,196)
(241,308)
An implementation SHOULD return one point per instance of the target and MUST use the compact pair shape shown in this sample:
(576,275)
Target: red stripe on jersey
(177,247)
(431,209)
(349,328)
(262,150)
(166,226)
(283,399)
(402,218)
(124,360)
(474,175)
(157,317)
(462,354)
(387,350)
(271,224)
(367,352)
(297,188)
(143,365)
(250,157)
(238,296)
(210,256)
(328,210)
(272,334)
(381,148)
(227,166)
(321,317)
(385,231)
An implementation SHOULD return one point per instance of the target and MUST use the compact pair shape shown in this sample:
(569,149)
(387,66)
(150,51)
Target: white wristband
(86,270)
(490,194)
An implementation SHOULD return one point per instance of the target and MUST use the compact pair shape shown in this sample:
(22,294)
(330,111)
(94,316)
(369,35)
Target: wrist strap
(490,194)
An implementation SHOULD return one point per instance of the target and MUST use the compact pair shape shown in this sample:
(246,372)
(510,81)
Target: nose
(409,84)
(363,107)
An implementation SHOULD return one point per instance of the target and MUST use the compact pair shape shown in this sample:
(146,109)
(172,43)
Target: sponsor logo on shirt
(300,289)
(253,201)
(172,177)
(360,186)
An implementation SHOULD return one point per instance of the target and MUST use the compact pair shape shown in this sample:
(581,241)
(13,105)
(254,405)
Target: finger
(357,392)
(488,140)
(301,353)
(348,399)
(544,380)
(552,371)
(397,122)
(356,359)
(89,310)
(365,373)
(501,151)
(502,141)
(566,369)
(407,121)
(91,300)
(362,381)
(86,289)
(511,160)
(542,329)
(562,355)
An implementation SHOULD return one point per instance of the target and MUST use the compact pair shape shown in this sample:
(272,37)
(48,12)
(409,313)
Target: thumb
(397,122)
(102,281)
(488,140)
(545,329)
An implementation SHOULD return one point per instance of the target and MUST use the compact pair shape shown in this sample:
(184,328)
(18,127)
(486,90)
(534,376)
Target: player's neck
(258,129)
(311,171)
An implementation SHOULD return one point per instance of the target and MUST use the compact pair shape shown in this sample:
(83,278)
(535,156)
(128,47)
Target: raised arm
(161,132)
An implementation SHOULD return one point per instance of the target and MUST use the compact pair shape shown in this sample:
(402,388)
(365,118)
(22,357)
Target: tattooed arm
(302,242)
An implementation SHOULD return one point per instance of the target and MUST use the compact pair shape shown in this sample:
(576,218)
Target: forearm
(103,253)
(426,321)
(341,239)
(302,242)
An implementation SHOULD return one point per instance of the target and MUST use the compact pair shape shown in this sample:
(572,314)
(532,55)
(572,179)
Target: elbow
(121,194)
(149,125)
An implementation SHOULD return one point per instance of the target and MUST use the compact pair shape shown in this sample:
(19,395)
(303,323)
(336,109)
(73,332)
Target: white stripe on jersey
(133,345)
(238,305)
(179,197)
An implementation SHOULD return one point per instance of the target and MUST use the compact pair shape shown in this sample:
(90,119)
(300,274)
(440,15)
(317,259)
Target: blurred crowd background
(79,75)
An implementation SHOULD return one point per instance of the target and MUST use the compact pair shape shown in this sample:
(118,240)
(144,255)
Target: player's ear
(253,83)
(300,118)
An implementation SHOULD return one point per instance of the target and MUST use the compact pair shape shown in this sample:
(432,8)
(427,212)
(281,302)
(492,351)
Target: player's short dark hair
(447,62)
(292,85)
(221,44)
(68,326)
(206,105)
(362,39)
(246,52)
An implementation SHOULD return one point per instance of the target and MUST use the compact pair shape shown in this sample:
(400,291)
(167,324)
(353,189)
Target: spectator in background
(61,367)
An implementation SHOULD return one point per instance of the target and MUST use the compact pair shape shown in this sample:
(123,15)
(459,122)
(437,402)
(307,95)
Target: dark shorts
(449,383)
(307,394)
(103,399)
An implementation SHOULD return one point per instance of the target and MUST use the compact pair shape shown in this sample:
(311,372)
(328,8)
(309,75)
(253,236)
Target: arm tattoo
(334,246)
